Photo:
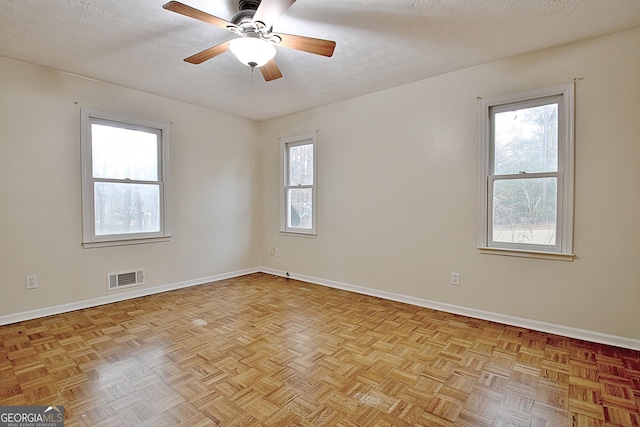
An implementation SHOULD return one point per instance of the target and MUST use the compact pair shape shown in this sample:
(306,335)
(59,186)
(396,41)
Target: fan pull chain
(253,67)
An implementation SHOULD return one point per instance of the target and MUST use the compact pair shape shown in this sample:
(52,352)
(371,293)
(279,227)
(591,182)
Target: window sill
(527,254)
(104,244)
(297,234)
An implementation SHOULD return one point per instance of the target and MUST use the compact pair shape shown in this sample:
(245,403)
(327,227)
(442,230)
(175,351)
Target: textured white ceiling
(380,44)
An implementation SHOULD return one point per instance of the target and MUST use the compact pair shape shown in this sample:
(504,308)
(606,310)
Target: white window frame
(285,144)
(89,237)
(563,250)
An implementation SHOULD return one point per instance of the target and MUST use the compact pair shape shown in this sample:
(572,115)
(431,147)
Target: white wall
(397,191)
(213,191)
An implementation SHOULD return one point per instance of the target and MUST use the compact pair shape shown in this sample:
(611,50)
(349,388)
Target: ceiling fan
(256,41)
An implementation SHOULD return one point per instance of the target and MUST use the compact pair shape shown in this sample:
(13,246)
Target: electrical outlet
(31,282)
(455,279)
(277,251)
(272,251)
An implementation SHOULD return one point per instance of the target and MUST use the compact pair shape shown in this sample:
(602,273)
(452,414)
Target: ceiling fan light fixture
(252,51)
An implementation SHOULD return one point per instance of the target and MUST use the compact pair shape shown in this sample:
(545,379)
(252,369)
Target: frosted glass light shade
(252,51)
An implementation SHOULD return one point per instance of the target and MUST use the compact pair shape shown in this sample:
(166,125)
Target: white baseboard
(118,296)
(567,331)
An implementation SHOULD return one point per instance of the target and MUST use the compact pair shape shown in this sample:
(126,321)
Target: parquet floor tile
(264,351)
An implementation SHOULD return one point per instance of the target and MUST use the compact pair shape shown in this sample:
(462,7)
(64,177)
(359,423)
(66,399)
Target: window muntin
(527,164)
(299,193)
(124,179)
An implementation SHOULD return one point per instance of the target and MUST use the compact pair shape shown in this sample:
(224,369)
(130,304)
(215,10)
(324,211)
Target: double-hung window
(124,179)
(527,155)
(298,195)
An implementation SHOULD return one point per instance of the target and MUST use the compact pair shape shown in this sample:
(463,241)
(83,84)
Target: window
(526,203)
(298,196)
(124,179)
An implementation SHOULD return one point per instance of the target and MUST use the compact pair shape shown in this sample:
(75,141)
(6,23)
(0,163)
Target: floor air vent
(125,279)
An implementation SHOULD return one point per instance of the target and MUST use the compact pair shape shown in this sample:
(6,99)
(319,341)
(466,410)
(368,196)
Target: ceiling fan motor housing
(247,8)
(248,4)
(245,26)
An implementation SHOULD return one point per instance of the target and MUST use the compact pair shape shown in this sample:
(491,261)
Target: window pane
(526,140)
(126,208)
(524,211)
(119,153)
(301,165)
(299,203)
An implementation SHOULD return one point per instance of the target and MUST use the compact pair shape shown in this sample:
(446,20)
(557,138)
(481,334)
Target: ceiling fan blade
(270,10)
(207,54)
(307,44)
(270,71)
(183,9)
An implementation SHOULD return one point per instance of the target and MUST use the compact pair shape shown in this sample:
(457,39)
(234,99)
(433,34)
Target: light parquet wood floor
(265,351)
